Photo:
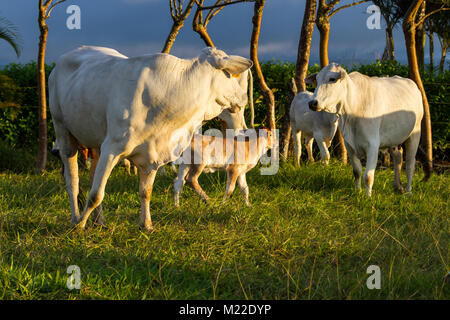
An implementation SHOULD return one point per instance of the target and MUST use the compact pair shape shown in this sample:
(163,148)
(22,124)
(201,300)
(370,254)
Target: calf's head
(331,89)
(236,120)
(227,88)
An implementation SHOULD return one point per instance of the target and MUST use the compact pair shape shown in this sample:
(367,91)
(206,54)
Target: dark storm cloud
(136,27)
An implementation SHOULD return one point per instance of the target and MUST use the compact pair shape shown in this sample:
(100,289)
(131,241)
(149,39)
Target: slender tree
(45,8)
(301,69)
(325,11)
(391,15)
(10,34)
(430,34)
(438,23)
(268,96)
(410,24)
(179,15)
(421,36)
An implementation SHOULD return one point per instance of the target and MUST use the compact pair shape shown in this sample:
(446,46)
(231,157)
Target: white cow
(312,125)
(374,113)
(144,108)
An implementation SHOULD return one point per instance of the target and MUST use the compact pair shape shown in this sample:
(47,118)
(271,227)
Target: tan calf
(236,155)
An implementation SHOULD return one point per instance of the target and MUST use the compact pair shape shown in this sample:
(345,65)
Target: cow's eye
(332,79)
(227,74)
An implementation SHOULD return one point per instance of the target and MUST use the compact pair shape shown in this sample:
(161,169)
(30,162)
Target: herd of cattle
(146,111)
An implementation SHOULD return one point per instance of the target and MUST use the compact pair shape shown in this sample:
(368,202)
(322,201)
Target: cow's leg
(146,180)
(411,146)
(324,154)
(297,136)
(69,157)
(372,158)
(192,179)
(106,163)
(242,182)
(178,183)
(99,219)
(309,147)
(356,166)
(232,176)
(397,155)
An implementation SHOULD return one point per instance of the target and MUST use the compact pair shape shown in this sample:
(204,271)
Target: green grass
(308,235)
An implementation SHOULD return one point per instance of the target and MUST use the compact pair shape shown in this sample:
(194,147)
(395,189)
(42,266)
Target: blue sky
(136,27)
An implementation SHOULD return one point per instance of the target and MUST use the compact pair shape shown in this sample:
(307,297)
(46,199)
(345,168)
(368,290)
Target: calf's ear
(235,65)
(311,79)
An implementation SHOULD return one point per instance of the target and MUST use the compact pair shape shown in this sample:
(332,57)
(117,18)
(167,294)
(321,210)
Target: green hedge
(19,100)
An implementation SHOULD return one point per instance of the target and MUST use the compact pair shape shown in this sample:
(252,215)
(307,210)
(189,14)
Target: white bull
(374,113)
(312,125)
(144,108)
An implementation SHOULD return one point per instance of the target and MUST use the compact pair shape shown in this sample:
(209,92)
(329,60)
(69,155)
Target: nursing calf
(236,155)
(374,113)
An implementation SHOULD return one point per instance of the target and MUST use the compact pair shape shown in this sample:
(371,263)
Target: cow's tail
(427,165)
(252,107)
(81,199)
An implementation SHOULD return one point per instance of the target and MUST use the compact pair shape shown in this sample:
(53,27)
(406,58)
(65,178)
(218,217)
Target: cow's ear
(311,79)
(235,65)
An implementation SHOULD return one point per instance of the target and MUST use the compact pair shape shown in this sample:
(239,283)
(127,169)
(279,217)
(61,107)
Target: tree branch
(223,4)
(430,13)
(346,6)
(47,14)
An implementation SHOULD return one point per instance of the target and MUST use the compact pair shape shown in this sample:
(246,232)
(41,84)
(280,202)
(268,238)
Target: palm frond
(10,34)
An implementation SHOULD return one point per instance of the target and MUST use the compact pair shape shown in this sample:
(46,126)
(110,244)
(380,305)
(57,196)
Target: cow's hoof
(146,228)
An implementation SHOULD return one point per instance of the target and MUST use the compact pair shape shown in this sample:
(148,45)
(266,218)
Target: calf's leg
(232,176)
(309,145)
(324,154)
(242,182)
(192,178)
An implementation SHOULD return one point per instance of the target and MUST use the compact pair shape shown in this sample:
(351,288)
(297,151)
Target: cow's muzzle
(314,105)
(234,108)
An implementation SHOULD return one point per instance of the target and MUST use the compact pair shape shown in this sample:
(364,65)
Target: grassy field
(308,235)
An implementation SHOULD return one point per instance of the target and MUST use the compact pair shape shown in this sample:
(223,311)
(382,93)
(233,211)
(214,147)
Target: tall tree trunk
(42,109)
(420,38)
(409,30)
(268,96)
(304,45)
(389,50)
(323,24)
(176,27)
(301,70)
(431,48)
